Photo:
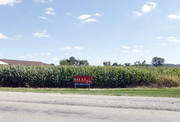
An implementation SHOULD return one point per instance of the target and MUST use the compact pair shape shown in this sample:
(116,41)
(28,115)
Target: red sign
(82,80)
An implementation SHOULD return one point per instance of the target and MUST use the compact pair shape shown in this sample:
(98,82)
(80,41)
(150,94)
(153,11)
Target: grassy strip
(164,92)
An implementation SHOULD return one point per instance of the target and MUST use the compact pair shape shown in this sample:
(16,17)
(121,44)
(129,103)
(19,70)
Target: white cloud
(66,48)
(137,51)
(147,7)
(83,17)
(174,16)
(87,18)
(71,48)
(78,48)
(97,14)
(137,13)
(41,34)
(10,38)
(88,21)
(44,18)
(9,2)
(50,11)
(125,47)
(43,1)
(173,39)
(3,36)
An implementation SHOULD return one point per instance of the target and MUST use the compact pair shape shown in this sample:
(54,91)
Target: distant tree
(115,64)
(137,63)
(73,61)
(144,63)
(64,62)
(83,62)
(52,64)
(127,64)
(157,61)
(107,63)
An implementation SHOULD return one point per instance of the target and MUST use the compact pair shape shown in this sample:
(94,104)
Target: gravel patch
(131,102)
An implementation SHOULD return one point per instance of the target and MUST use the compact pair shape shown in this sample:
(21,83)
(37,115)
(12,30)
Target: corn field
(102,77)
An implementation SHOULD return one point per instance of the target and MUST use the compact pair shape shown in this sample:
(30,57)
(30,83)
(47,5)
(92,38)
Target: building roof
(21,62)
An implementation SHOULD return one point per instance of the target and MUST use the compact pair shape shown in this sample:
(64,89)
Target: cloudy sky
(96,30)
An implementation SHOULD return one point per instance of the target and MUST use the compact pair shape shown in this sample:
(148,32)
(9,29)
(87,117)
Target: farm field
(153,92)
(102,77)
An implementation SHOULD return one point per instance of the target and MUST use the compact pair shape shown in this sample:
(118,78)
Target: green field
(164,92)
(102,76)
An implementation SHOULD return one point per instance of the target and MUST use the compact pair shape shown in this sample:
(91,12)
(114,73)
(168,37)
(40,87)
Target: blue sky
(96,30)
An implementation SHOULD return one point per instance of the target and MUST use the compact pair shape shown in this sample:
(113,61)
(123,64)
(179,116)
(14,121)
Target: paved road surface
(31,107)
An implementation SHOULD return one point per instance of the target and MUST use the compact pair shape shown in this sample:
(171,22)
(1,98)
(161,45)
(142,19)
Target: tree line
(156,61)
(137,63)
(73,61)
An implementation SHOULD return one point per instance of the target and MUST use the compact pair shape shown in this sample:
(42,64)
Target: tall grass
(102,77)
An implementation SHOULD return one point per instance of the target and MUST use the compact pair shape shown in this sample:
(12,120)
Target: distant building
(21,62)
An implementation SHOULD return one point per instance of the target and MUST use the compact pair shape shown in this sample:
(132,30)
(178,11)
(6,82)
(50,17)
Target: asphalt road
(32,107)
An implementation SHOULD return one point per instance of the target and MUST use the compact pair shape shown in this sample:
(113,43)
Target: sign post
(82,80)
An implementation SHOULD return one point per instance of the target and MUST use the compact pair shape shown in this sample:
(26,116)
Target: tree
(127,64)
(83,62)
(144,64)
(115,64)
(137,63)
(64,62)
(52,64)
(73,61)
(107,63)
(157,61)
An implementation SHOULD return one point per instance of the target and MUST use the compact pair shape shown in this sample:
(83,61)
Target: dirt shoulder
(150,103)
